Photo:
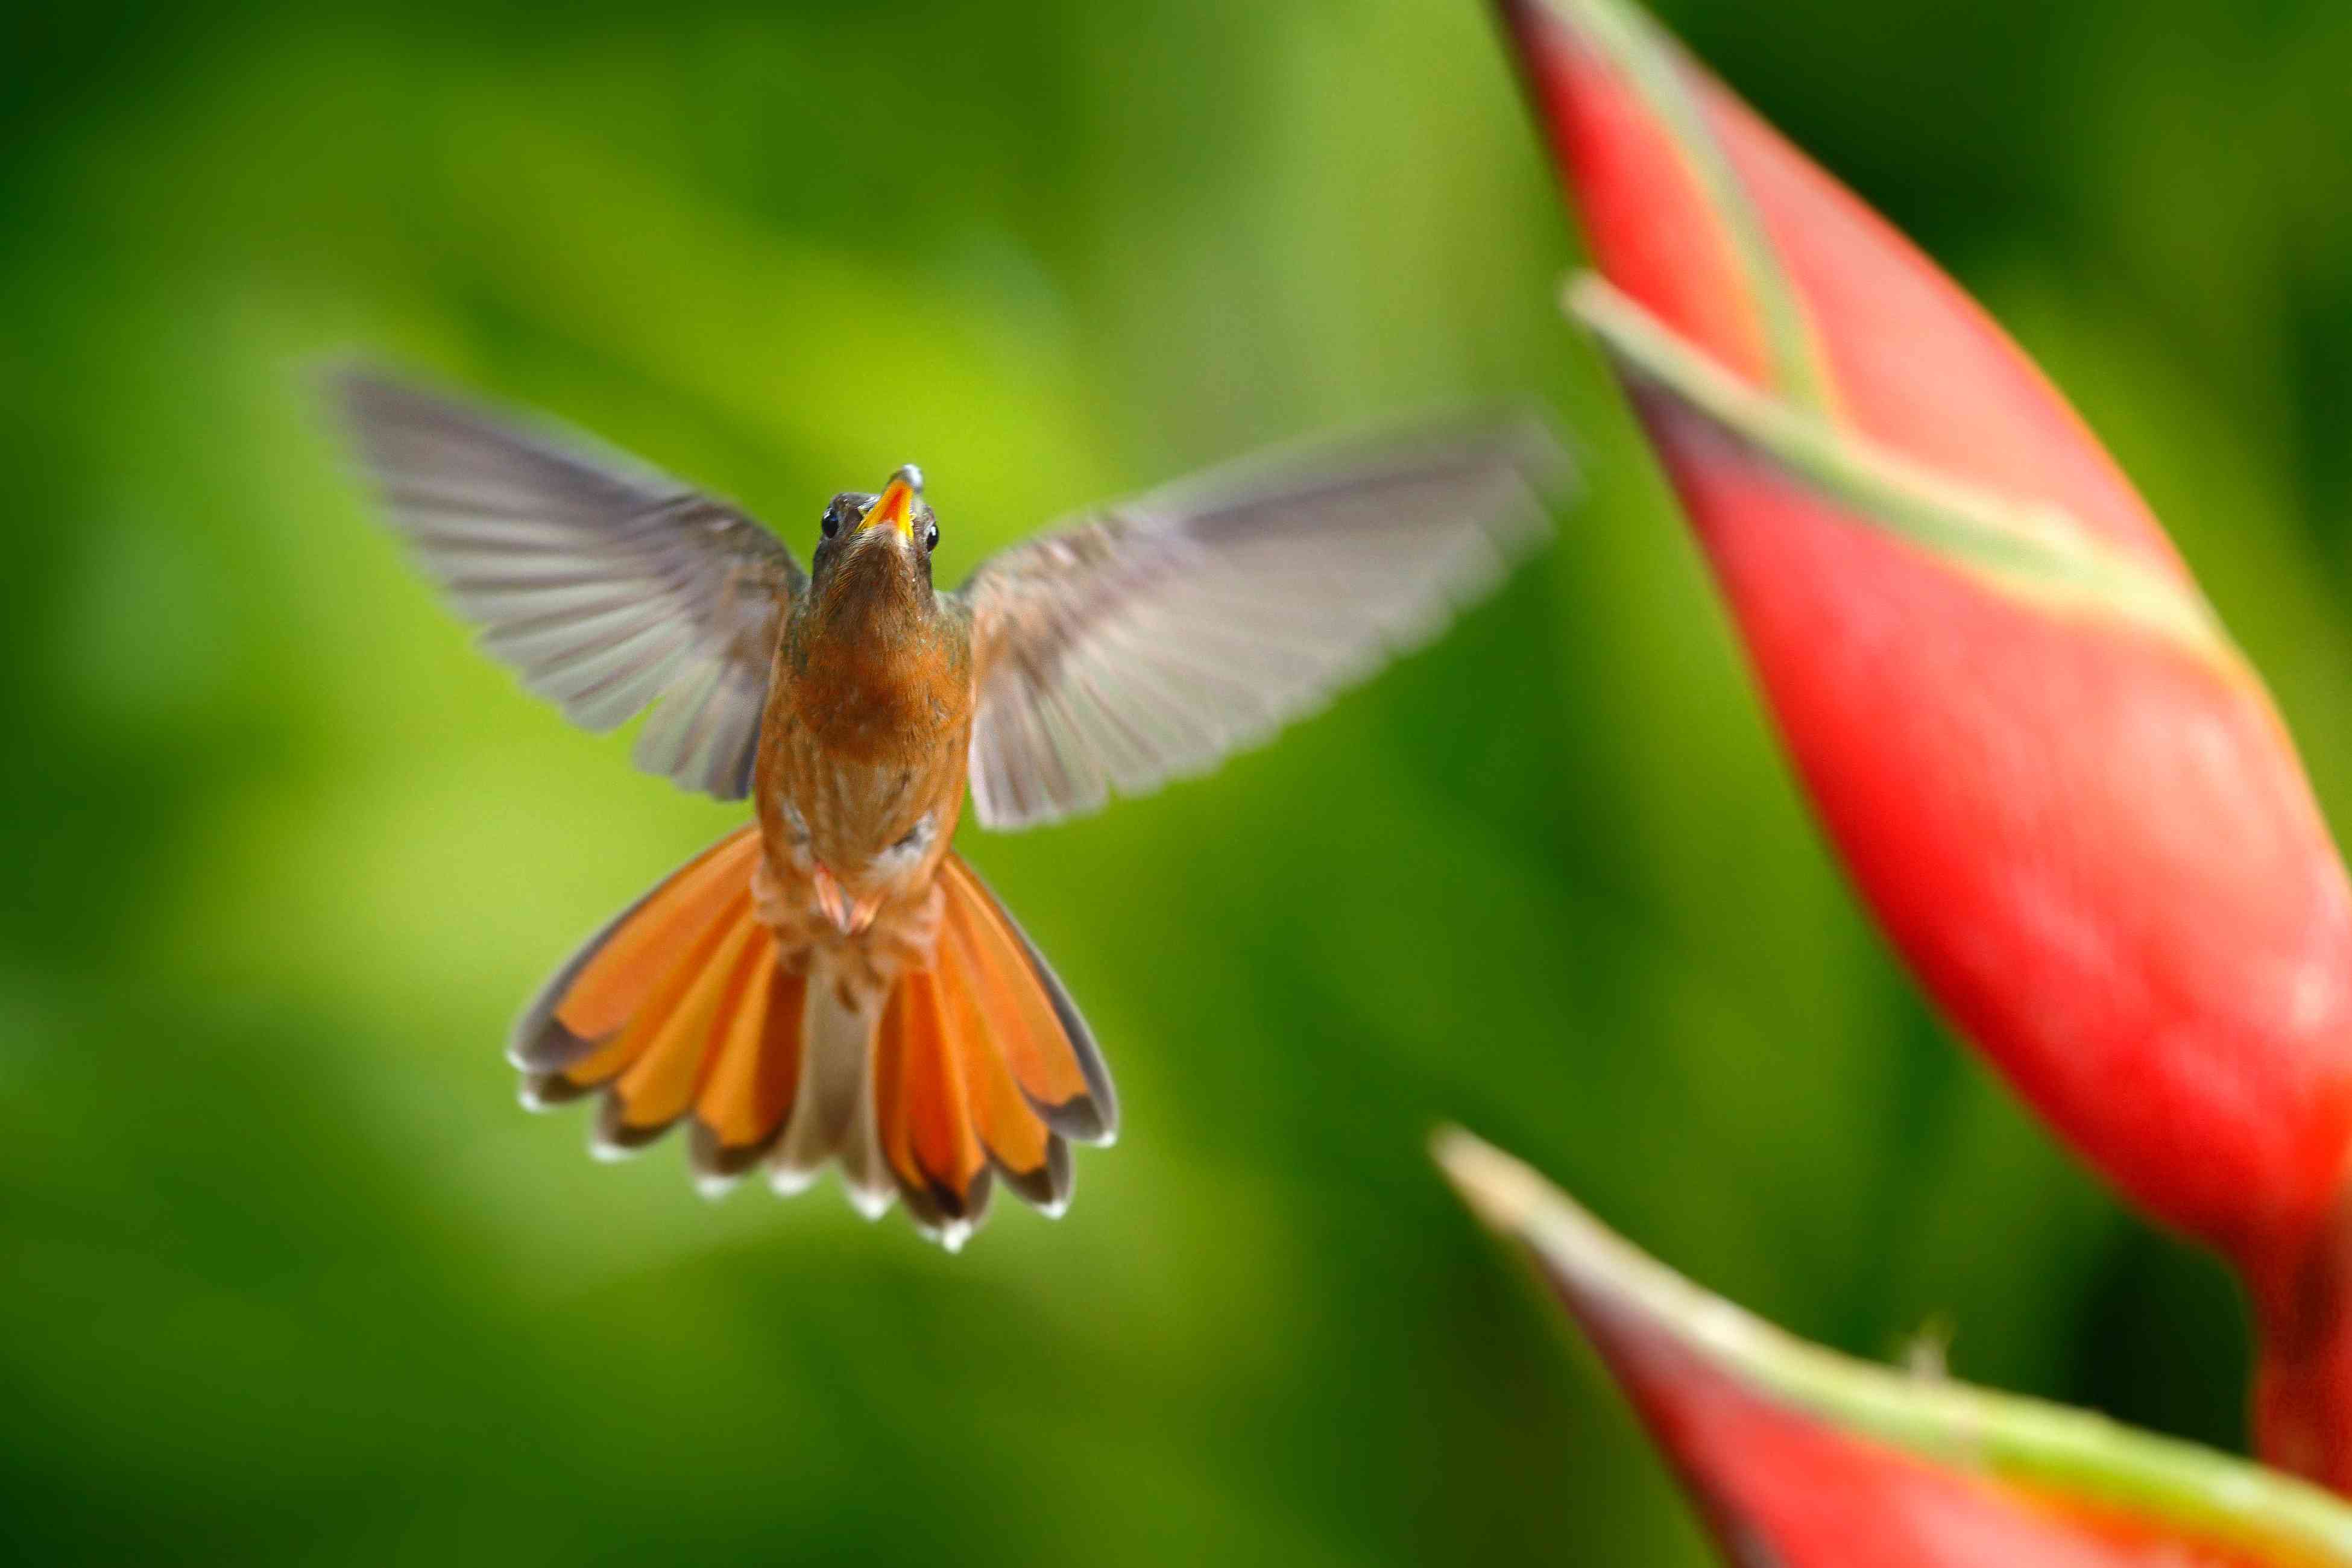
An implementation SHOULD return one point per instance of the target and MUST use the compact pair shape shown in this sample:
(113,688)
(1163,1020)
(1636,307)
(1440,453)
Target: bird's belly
(851,809)
(874,825)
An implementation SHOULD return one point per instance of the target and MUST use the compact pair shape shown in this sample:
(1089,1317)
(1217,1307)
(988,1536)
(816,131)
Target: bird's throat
(876,668)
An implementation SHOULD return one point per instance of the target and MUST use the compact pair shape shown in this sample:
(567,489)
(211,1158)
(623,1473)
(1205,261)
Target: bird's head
(875,549)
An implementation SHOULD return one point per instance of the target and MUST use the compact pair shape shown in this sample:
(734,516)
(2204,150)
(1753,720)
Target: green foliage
(290,1276)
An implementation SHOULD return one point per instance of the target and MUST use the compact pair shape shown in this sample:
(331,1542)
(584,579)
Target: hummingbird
(831,982)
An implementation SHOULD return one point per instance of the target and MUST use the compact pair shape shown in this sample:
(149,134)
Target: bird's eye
(830,524)
(931,537)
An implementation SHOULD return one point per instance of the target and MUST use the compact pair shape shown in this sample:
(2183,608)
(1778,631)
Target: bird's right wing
(1152,640)
(608,587)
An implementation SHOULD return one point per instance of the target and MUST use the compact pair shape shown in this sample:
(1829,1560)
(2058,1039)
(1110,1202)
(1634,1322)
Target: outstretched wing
(608,587)
(1150,642)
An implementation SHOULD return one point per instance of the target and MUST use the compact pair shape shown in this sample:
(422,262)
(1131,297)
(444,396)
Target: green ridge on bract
(1652,62)
(2208,1496)
(2028,549)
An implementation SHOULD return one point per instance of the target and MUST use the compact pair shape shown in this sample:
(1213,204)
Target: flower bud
(1804,1458)
(2059,786)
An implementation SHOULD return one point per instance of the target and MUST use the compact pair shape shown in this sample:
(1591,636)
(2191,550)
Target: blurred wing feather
(607,586)
(1148,643)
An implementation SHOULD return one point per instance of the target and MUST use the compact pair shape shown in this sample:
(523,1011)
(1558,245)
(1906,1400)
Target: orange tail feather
(1037,1030)
(983,1068)
(976,1068)
(679,1005)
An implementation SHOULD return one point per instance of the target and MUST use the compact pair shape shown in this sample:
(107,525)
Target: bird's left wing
(1150,642)
(608,587)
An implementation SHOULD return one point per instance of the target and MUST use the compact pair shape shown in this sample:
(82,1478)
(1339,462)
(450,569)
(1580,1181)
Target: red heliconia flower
(1801,1459)
(2059,786)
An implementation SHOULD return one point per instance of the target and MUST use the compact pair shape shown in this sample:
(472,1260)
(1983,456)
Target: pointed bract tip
(1500,1190)
(1586,296)
(873,1202)
(1581,1255)
(713,1186)
(1620,34)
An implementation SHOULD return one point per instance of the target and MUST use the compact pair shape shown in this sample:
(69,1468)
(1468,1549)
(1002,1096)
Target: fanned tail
(976,1069)
(681,1006)
(983,1069)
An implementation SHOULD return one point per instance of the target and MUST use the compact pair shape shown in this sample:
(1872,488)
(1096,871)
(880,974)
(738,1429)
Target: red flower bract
(2061,789)
(1806,1460)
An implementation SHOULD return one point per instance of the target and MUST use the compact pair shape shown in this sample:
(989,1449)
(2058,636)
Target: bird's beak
(896,505)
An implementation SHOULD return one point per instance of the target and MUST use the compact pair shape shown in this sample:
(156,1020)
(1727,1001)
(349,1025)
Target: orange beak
(896,505)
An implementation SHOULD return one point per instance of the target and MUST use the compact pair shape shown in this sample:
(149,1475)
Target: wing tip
(1532,440)
(342,377)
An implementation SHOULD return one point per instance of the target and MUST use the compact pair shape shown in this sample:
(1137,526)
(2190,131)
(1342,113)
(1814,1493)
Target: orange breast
(861,767)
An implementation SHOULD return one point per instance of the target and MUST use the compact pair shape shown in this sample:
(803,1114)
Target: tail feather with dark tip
(974,1071)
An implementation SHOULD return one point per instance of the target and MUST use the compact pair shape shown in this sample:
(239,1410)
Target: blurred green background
(289,1277)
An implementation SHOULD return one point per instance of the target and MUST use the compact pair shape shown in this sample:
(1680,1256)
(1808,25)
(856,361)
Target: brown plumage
(831,982)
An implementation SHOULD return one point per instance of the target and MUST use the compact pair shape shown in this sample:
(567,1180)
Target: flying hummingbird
(831,982)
